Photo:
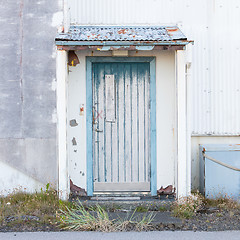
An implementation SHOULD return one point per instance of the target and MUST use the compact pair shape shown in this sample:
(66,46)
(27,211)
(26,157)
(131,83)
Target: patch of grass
(219,215)
(78,218)
(162,209)
(187,207)
(141,209)
(97,219)
(114,208)
(33,209)
(95,207)
(136,222)
(223,202)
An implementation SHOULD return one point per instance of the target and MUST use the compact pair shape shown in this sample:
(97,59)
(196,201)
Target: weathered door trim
(89,116)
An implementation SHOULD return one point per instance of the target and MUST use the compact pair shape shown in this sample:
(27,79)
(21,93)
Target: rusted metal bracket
(72,58)
(77,190)
(169,190)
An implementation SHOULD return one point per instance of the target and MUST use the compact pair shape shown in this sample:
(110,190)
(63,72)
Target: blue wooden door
(121,127)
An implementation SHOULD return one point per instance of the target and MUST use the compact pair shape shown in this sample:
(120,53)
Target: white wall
(166,128)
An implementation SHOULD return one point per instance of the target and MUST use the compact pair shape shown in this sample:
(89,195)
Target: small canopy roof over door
(122,38)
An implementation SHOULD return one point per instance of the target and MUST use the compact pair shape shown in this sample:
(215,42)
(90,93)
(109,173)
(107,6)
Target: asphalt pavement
(231,235)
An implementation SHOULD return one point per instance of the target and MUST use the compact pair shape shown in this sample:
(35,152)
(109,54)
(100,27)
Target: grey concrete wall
(27,92)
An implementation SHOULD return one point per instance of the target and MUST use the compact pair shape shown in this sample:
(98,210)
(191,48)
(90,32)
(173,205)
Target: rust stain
(72,59)
(77,190)
(122,31)
(172,29)
(169,190)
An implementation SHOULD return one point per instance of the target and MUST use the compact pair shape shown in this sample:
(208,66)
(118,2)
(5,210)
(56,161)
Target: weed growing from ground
(141,209)
(78,218)
(222,202)
(187,207)
(97,219)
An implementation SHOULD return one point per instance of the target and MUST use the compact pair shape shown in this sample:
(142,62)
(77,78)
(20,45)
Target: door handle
(97,130)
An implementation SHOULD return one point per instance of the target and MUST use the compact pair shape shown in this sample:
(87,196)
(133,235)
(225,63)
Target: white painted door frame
(62,76)
(183,177)
(183,66)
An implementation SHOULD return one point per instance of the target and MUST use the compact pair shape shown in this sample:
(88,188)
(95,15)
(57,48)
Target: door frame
(89,116)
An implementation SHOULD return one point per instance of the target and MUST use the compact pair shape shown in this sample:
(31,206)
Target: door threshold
(119,196)
(115,198)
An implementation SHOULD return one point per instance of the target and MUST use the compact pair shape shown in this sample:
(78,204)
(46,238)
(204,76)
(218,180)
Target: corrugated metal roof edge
(70,42)
(120,43)
(126,26)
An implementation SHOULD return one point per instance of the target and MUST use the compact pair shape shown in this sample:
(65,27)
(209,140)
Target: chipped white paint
(77,99)
(121,136)
(110,98)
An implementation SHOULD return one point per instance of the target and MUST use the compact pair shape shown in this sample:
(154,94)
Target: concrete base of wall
(27,163)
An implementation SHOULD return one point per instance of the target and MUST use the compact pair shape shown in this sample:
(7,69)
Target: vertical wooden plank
(128,136)
(153,127)
(121,126)
(108,132)
(115,168)
(141,117)
(110,97)
(147,141)
(89,139)
(95,123)
(100,120)
(134,119)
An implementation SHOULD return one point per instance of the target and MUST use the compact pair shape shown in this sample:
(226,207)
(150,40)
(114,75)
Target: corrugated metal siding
(214,25)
